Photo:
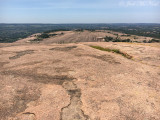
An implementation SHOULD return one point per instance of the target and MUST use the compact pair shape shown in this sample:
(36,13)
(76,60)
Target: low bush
(126,40)
(153,41)
(43,35)
(107,39)
(144,41)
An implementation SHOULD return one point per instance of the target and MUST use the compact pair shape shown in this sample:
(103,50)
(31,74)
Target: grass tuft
(113,50)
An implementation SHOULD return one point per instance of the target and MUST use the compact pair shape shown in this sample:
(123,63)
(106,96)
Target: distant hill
(14,32)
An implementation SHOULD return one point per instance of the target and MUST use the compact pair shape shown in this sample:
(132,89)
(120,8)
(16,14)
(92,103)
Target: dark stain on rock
(21,53)
(63,48)
(42,78)
(105,58)
(21,99)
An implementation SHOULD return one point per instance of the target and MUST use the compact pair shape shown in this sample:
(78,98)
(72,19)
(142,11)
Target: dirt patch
(21,53)
(63,48)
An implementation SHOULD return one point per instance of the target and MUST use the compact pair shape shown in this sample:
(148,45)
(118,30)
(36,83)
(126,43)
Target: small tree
(126,40)
(44,35)
(107,39)
(144,41)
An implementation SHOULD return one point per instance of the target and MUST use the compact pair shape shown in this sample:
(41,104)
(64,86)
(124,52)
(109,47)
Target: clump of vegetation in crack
(113,50)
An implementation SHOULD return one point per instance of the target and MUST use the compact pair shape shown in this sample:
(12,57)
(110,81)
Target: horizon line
(87,23)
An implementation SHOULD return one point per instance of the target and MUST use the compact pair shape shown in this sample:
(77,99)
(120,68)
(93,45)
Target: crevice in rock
(73,110)
(28,113)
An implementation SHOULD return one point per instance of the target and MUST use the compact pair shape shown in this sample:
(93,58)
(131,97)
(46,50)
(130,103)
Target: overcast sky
(79,11)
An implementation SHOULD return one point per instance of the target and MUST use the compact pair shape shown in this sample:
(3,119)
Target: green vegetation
(36,40)
(144,29)
(144,41)
(153,41)
(91,30)
(54,34)
(113,50)
(126,40)
(43,35)
(107,39)
(79,30)
(117,39)
(56,30)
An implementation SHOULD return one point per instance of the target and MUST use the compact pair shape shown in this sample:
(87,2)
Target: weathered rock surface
(77,82)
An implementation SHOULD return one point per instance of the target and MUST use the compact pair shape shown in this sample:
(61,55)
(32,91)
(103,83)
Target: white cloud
(128,3)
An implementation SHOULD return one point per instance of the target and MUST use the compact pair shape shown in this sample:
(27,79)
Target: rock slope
(78,82)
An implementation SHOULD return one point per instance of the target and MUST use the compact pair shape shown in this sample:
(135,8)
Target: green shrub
(52,34)
(107,39)
(117,39)
(126,40)
(144,41)
(153,41)
(44,35)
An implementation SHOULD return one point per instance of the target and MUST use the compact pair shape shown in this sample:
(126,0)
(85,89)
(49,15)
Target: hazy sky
(79,11)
